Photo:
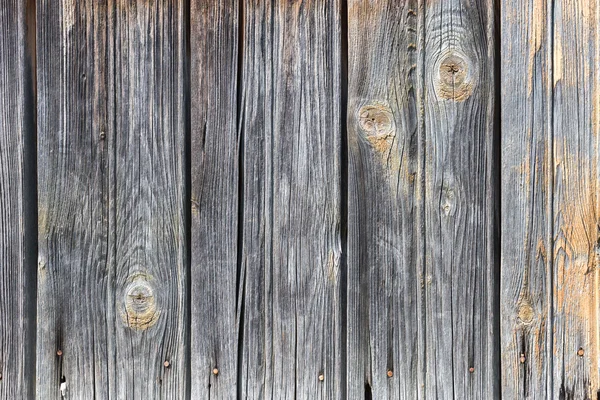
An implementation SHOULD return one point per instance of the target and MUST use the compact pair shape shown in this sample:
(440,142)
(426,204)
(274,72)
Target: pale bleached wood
(526,250)
(575,206)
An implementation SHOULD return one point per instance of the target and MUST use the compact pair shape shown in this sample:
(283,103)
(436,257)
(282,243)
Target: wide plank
(112,268)
(385,200)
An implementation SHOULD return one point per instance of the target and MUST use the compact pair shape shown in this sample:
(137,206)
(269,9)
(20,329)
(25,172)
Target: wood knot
(526,313)
(140,304)
(455,82)
(377,122)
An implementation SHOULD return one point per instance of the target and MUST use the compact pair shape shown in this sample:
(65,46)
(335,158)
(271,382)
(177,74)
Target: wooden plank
(17,200)
(214,197)
(460,267)
(575,205)
(112,269)
(421,207)
(526,249)
(384,200)
(266,133)
(292,149)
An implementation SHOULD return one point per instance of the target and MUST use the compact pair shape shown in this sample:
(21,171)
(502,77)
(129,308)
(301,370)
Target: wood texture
(526,181)
(112,252)
(422,269)
(385,200)
(459,200)
(17,200)
(550,148)
(266,139)
(575,206)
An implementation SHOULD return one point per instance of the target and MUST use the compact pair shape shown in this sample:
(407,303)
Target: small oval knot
(455,79)
(376,120)
(140,304)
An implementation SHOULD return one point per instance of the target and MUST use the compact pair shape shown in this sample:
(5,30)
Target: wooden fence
(362,199)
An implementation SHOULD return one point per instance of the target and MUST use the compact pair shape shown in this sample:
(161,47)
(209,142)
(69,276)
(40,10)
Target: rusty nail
(321,377)
(522,358)
(59,352)
(580,352)
(390,373)
(167,364)
(215,371)
(471,369)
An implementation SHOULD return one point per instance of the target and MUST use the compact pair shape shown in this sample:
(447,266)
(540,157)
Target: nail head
(59,353)
(471,369)
(321,377)
(580,352)
(215,371)
(390,373)
(167,364)
(522,358)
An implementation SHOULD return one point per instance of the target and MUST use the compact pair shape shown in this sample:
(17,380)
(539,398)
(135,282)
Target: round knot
(376,120)
(455,81)
(140,304)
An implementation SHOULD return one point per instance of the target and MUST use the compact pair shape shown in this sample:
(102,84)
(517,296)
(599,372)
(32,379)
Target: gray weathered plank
(459,201)
(214,198)
(526,249)
(266,116)
(291,130)
(17,200)
(384,200)
(421,200)
(112,252)
(575,207)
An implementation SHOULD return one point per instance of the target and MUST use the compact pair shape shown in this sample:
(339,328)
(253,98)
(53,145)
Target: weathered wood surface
(550,207)
(526,180)
(112,306)
(421,270)
(266,226)
(17,200)
(298,199)
(459,201)
(385,200)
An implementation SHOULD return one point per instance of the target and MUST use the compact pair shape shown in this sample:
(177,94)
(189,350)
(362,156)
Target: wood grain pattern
(112,252)
(575,207)
(459,200)
(214,191)
(526,249)
(422,270)
(385,200)
(17,200)
(266,159)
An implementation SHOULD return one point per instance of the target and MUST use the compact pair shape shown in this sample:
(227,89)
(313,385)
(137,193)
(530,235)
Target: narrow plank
(576,212)
(459,201)
(384,200)
(73,200)
(291,248)
(112,252)
(214,198)
(526,250)
(17,200)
